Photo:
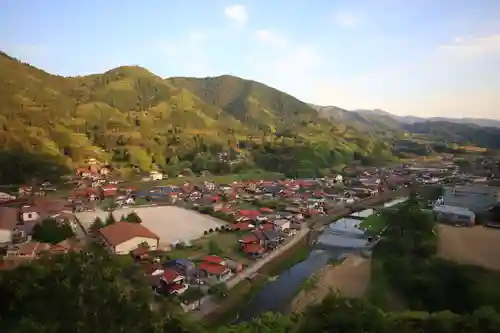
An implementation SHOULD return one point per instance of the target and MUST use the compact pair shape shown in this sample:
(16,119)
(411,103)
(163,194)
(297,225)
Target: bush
(219,290)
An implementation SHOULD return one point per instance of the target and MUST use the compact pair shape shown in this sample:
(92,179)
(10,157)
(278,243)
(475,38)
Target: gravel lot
(170,223)
(475,246)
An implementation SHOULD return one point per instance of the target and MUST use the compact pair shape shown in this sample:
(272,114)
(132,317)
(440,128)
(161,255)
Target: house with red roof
(214,271)
(124,237)
(215,267)
(249,213)
(253,250)
(109,190)
(173,282)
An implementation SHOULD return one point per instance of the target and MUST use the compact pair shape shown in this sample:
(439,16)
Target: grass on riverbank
(239,297)
(374,223)
(244,292)
(294,256)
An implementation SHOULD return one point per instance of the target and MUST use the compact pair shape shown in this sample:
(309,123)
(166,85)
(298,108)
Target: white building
(155,175)
(478,198)
(455,215)
(123,237)
(282,224)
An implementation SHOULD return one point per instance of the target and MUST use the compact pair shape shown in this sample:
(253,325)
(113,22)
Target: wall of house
(455,218)
(31,216)
(131,244)
(5,236)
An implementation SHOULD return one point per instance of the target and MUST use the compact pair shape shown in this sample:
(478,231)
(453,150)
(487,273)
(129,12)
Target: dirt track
(350,279)
(476,246)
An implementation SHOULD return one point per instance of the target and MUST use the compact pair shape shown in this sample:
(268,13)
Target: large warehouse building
(455,215)
(477,198)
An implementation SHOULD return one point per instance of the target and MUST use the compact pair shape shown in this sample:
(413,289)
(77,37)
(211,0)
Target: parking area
(170,223)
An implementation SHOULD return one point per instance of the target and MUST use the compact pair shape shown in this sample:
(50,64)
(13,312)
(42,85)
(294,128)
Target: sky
(408,57)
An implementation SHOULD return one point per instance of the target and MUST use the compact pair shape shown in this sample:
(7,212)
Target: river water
(339,239)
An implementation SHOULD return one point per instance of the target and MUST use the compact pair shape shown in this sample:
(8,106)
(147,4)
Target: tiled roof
(170,275)
(213,268)
(120,232)
(8,218)
(214,260)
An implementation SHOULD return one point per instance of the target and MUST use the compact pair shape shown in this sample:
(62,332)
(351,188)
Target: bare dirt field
(170,223)
(475,246)
(350,279)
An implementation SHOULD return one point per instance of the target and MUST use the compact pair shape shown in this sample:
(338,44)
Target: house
(253,250)
(109,190)
(215,271)
(271,238)
(28,250)
(124,237)
(65,246)
(141,252)
(183,266)
(456,215)
(478,198)
(282,224)
(6,197)
(214,260)
(250,239)
(9,218)
(155,175)
(83,172)
(242,226)
(173,281)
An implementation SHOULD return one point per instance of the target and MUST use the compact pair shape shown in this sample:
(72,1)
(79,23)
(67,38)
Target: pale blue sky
(420,57)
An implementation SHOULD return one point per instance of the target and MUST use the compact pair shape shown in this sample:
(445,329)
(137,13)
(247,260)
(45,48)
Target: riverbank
(242,293)
(349,277)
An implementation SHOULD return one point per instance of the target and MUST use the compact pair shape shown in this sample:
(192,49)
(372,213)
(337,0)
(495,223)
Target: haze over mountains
(348,114)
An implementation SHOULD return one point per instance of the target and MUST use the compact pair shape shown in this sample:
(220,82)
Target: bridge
(375,202)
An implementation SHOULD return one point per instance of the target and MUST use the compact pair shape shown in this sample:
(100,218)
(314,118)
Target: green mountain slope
(130,117)
(364,121)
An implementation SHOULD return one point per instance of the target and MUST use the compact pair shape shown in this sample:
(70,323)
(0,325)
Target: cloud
(468,48)
(269,36)
(236,13)
(347,20)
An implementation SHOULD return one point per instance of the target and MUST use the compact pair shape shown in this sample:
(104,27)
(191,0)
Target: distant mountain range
(353,114)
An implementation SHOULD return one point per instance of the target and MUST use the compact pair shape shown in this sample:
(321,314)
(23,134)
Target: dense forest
(95,291)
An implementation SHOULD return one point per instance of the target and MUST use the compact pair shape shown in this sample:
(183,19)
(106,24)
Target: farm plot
(478,246)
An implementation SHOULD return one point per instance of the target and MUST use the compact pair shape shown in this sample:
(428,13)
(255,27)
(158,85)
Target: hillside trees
(79,292)
(135,119)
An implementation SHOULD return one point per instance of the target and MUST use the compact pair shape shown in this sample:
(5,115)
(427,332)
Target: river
(338,240)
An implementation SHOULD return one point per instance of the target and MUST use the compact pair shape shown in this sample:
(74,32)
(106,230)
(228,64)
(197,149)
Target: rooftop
(453,210)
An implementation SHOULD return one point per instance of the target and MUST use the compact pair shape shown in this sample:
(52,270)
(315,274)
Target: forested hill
(131,117)
(461,134)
